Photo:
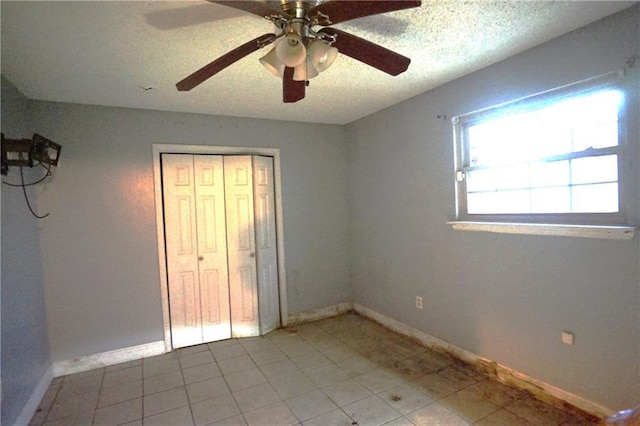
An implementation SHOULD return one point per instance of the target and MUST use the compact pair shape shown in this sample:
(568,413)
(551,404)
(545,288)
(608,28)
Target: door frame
(158,150)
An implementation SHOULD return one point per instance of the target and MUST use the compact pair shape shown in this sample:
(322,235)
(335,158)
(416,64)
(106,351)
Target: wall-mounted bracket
(24,152)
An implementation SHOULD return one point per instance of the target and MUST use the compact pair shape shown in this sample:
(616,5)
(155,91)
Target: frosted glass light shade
(300,72)
(291,51)
(271,62)
(305,71)
(322,55)
(311,70)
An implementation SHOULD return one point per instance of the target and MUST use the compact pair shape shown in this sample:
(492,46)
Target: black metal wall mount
(29,152)
(37,151)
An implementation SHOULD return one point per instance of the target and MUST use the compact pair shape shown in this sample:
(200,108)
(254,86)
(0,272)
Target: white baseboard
(34,400)
(104,359)
(318,314)
(540,389)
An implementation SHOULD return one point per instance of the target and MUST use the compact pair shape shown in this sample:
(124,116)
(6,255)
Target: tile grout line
(95,411)
(184,383)
(53,401)
(142,368)
(228,387)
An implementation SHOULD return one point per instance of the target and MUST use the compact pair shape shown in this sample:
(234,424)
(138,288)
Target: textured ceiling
(131,54)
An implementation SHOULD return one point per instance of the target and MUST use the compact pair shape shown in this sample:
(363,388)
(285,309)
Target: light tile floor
(345,370)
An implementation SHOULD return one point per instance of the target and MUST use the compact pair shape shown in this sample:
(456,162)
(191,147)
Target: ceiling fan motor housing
(298,9)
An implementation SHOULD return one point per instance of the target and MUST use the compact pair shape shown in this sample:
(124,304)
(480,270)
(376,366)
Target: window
(549,158)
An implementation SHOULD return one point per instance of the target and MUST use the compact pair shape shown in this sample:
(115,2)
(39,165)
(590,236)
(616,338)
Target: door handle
(252,254)
(200,257)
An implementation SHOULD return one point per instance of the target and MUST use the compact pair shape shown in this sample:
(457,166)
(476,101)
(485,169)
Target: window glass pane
(481,180)
(499,202)
(513,177)
(554,139)
(594,108)
(481,202)
(491,144)
(601,135)
(594,169)
(601,198)
(551,200)
(550,174)
(513,201)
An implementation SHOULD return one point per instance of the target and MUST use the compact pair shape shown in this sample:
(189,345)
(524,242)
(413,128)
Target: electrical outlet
(418,302)
(568,337)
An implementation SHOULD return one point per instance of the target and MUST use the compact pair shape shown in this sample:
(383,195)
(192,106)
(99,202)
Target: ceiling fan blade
(292,91)
(255,7)
(334,12)
(370,53)
(224,61)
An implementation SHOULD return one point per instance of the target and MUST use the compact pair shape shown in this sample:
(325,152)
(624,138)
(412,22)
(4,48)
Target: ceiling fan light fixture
(322,55)
(300,50)
(291,51)
(300,72)
(305,71)
(271,62)
(311,70)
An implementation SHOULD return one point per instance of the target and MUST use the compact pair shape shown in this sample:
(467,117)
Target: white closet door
(193,191)
(182,249)
(221,247)
(266,249)
(212,248)
(241,246)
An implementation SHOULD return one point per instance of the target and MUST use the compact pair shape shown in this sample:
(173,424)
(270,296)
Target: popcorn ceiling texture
(131,54)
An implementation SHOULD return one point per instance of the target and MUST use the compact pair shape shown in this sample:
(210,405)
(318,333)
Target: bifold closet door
(266,244)
(196,250)
(251,245)
(241,246)
(221,247)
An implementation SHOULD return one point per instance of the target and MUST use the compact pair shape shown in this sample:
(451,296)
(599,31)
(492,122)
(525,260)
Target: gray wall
(25,346)
(99,246)
(504,297)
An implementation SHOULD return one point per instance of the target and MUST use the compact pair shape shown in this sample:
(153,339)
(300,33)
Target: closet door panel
(266,243)
(241,246)
(212,247)
(181,247)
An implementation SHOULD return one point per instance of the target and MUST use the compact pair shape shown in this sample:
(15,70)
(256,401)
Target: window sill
(584,231)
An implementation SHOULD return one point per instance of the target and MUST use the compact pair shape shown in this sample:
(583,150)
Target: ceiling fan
(300,52)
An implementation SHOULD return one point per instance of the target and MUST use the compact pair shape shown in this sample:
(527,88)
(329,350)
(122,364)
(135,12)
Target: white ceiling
(131,54)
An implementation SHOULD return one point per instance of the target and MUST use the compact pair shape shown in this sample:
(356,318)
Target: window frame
(613,80)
